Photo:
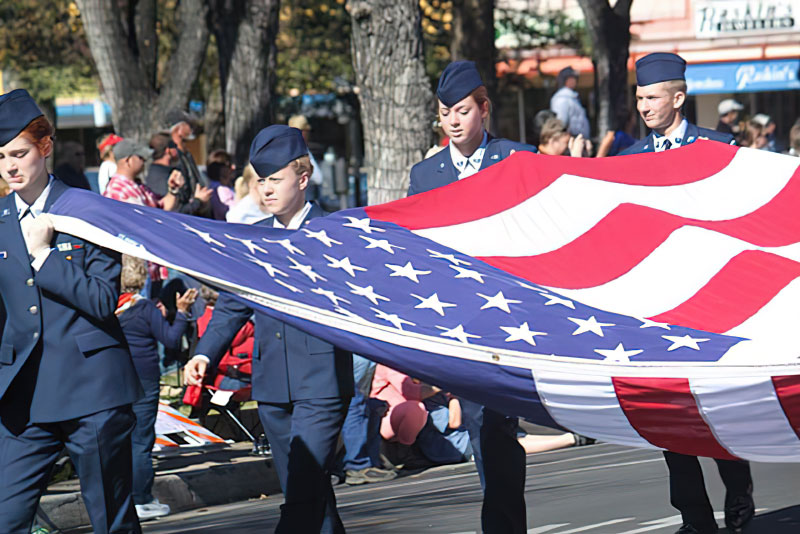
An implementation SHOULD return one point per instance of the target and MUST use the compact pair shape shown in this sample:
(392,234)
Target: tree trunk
(473,39)
(610,30)
(397,106)
(124,49)
(245,31)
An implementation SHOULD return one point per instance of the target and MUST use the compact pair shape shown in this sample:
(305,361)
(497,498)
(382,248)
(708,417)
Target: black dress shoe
(738,512)
(688,528)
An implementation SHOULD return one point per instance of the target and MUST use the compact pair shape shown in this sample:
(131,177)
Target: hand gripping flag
(646,300)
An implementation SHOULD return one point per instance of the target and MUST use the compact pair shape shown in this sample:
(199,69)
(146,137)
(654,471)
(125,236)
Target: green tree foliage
(314,47)
(534,30)
(44,49)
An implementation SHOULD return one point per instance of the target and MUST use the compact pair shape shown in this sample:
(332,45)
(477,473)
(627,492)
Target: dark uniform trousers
(499,458)
(303,386)
(686,484)
(66,377)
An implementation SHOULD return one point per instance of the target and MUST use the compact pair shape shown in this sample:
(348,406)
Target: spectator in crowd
(728,111)
(125,184)
(108,166)
(567,105)
(301,123)
(361,430)
(303,384)
(794,140)
(422,414)
(70,164)
(768,126)
(162,170)
(752,135)
(144,325)
(181,129)
(554,140)
(541,117)
(220,169)
(249,209)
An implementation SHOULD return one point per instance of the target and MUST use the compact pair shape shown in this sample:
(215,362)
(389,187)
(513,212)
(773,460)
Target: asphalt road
(598,489)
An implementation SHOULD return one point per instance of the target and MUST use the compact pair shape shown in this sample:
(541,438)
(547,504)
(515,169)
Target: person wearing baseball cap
(303,384)
(660,96)
(67,379)
(728,111)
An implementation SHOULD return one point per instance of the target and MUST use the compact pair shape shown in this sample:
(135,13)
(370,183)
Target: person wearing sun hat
(66,376)
(303,384)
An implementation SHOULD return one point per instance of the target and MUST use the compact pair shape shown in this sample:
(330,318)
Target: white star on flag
(330,295)
(457,333)
(392,318)
(252,247)
(382,244)
(467,273)
(649,323)
(406,271)
(307,270)
(432,303)
(322,237)
(288,286)
(205,236)
(618,354)
(366,292)
(684,341)
(343,264)
(522,333)
(287,244)
(271,270)
(362,224)
(449,257)
(553,300)
(589,325)
(498,301)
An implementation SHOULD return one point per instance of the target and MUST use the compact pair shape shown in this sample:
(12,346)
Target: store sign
(747,77)
(731,18)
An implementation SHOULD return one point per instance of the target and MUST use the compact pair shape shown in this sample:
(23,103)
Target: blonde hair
(134,274)
(676,86)
(302,165)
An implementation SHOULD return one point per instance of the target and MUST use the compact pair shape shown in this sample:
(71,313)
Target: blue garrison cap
(275,147)
(17,110)
(660,67)
(457,81)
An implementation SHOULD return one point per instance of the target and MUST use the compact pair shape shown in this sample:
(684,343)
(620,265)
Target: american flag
(497,288)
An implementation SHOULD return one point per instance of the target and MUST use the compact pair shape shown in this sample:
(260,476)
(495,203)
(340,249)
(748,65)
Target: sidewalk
(185,479)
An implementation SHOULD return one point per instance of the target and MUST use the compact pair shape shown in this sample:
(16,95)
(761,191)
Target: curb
(246,477)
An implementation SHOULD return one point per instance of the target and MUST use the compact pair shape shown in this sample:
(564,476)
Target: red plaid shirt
(126,190)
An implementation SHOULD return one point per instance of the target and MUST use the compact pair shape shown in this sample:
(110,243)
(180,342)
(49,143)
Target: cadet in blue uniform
(66,376)
(500,459)
(660,94)
(303,384)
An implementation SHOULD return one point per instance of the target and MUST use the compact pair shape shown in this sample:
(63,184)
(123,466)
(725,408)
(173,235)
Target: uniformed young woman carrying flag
(66,376)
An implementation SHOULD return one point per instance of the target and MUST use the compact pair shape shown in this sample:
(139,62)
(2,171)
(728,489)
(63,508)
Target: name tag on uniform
(64,247)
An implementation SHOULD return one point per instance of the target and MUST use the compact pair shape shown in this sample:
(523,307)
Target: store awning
(743,77)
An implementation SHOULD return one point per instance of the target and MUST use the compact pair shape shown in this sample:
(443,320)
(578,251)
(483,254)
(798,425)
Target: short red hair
(40,132)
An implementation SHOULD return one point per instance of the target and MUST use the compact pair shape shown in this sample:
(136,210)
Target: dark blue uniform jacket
(288,364)
(438,170)
(63,354)
(693,133)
